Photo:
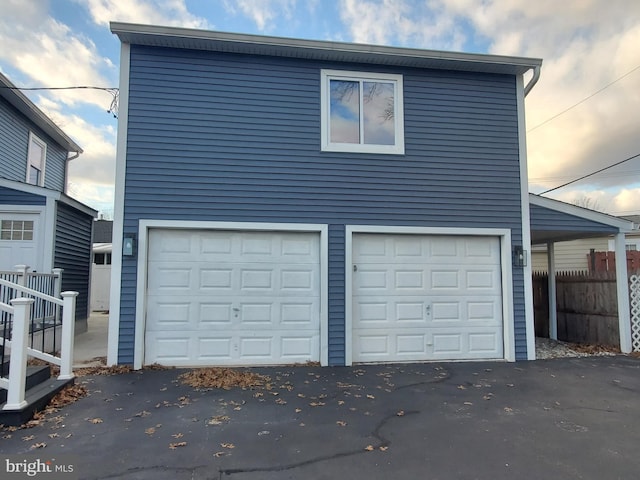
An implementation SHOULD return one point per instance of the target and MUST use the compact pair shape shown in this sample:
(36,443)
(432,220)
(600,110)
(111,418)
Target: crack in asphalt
(161,468)
(383,442)
(444,375)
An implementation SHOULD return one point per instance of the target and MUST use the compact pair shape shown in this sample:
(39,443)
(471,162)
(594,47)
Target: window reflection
(345,111)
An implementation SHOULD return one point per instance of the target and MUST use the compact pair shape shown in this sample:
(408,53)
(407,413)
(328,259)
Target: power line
(114,91)
(591,174)
(108,89)
(583,100)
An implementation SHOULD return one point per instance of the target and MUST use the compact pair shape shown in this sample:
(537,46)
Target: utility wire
(115,93)
(591,174)
(583,100)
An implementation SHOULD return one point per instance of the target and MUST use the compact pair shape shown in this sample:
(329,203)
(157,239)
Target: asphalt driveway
(551,419)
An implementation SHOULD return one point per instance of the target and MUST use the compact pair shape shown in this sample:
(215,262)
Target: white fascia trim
(118,221)
(505,268)
(145,225)
(552,204)
(526,222)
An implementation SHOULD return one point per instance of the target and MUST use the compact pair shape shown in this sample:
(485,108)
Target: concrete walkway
(553,419)
(91,345)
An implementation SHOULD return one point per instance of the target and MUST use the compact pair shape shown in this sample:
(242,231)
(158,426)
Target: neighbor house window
(36,156)
(362,112)
(102,258)
(16,230)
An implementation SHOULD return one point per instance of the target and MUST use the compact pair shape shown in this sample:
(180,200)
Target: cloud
(264,13)
(91,176)
(585,45)
(159,12)
(52,55)
(404,22)
(622,201)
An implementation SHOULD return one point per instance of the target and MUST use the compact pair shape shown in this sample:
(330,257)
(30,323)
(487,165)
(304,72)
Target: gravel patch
(547,348)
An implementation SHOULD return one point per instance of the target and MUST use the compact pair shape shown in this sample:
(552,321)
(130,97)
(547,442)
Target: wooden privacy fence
(587,307)
(606,261)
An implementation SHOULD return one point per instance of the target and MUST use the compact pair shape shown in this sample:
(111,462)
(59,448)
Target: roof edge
(624,226)
(22,103)
(144,34)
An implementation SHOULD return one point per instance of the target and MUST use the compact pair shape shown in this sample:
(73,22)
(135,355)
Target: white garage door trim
(141,288)
(506,271)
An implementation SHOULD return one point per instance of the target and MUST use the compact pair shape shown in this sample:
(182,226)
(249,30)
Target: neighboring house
(101,268)
(573,255)
(41,226)
(282,201)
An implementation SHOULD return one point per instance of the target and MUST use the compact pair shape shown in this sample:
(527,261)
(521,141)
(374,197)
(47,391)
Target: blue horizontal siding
(225,137)
(545,219)
(14,145)
(72,253)
(9,196)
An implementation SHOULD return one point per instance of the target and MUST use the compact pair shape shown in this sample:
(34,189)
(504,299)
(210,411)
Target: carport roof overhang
(555,221)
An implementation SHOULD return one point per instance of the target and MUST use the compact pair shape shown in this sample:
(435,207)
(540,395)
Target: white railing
(18,313)
(634,294)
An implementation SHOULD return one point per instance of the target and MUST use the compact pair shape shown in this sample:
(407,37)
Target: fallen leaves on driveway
(173,446)
(225,378)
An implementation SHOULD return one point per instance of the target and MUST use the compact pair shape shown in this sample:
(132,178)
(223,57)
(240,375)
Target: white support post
(22,271)
(57,272)
(553,308)
(622,286)
(57,289)
(68,329)
(18,360)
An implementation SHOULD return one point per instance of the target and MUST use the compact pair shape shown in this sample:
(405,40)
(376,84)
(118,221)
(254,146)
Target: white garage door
(418,297)
(232,298)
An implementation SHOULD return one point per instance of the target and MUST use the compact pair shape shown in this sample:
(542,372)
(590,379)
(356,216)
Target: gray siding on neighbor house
(72,252)
(9,196)
(545,219)
(224,137)
(14,144)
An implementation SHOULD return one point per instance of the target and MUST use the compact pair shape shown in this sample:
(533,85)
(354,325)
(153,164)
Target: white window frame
(33,138)
(325,100)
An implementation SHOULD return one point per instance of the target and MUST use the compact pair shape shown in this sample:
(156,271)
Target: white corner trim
(504,234)
(526,222)
(118,222)
(141,287)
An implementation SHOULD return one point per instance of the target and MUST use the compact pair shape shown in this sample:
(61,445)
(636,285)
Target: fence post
(22,271)
(18,360)
(68,328)
(57,288)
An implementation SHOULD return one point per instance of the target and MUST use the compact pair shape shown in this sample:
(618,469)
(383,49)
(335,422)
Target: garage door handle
(355,268)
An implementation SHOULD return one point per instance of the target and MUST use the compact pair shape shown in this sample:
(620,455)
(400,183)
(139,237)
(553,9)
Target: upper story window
(36,156)
(362,112)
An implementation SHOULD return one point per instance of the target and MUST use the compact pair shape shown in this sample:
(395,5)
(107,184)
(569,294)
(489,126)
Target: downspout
(533,81)
(66,169)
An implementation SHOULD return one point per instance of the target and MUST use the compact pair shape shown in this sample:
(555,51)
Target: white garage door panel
(232,298)
(418,297)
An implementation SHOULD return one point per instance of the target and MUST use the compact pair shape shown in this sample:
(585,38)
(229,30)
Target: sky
(583,114)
